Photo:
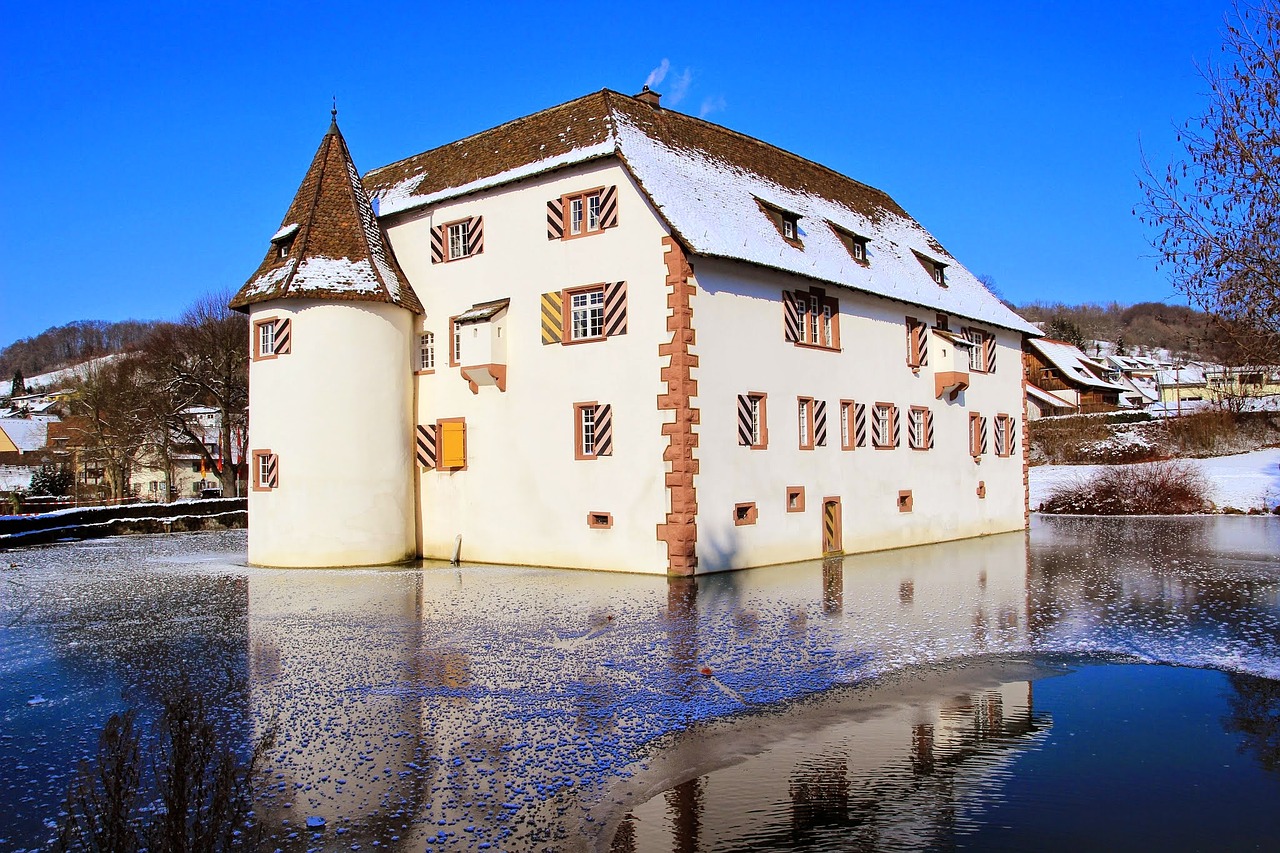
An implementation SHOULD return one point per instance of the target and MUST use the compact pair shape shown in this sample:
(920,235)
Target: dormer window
(936,269)
(787,223)
(855,244)
(282,240)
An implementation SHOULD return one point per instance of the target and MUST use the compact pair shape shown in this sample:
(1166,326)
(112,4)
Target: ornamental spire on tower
(330,245)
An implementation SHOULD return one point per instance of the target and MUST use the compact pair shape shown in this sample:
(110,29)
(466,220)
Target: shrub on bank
(1170,487)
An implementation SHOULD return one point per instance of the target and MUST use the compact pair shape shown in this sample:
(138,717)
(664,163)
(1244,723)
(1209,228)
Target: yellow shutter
(453,444)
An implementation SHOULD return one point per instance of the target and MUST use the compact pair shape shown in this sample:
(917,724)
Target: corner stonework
(680,530)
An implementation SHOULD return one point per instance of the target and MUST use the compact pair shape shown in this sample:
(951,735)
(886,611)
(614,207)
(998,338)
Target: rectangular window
(459,232)
(812,318)
(1002,436)
(976,439)
(790,226)
(583,213)
(592,430)
(917,343)
(804,412)
(919,432)
(586,314)
(848,432)
(977,352)
(883,418)
(266,470)
(455,342)
(753,424)
(266,338)
(426,351)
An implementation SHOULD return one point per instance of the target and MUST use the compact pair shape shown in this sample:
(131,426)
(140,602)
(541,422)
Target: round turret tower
(331,319)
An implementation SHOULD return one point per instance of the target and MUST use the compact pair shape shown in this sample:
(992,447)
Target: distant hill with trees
(72,344)
(1179,329)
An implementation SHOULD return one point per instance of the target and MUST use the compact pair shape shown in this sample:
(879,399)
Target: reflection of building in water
(899,777)
(324,656)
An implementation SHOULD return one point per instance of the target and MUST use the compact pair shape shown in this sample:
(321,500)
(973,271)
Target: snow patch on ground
(1243,481)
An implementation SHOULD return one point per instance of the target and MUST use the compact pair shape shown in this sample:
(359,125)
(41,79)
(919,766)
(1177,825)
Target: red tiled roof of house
(330,245)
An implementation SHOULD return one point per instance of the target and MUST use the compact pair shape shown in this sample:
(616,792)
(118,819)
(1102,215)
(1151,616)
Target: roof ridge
(748,137)
(478,133)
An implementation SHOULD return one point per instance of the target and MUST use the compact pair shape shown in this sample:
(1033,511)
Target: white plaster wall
(523,498)
(738,315)
(337,411)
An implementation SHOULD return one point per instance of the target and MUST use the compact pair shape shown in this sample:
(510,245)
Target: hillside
(1130,328)
(68,345)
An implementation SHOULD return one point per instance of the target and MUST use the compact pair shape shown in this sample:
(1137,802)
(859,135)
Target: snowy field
(1243,481)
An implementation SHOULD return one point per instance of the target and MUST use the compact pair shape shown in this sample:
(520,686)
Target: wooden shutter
(475,236)
(989,352)
(437,244)
(604,430)
(790,317)
(426,445)
(1011,430)
(615,309)
(555,219)
(917,342)
(820,423)
(552,317)
(284,336)
(859,425)
(609,207)
(744,420)
(453,444)
(928,430)
(982,435)
(273,471)
(894,431)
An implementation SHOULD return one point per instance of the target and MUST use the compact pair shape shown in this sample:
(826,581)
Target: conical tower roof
(330,245)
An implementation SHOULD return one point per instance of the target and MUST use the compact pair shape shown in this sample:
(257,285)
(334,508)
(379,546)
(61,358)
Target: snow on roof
(1044,396)
(27,434)
(1191,373)
(338,250)
(707,182)
(1072,364)
(482,311)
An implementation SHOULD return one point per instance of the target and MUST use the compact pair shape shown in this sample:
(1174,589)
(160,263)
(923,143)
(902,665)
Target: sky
(149,150)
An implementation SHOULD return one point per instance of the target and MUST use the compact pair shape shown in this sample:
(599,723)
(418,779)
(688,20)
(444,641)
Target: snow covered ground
(1243,481)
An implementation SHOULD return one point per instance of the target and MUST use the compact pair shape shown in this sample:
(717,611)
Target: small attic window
(282,240)
(855,244)
(787,223)
(936,269)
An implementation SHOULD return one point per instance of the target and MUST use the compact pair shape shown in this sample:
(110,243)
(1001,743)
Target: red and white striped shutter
(609,207)
(604,430)
(615,309)
(555,219)
(1012,427)
(426,445)
(744,420)
(894,426)
(982,432)
(922,330)
(273,471)
(820,423)
(475,236)
(790,317)
(437,244)
(284,336)
(989,352)
(859,424)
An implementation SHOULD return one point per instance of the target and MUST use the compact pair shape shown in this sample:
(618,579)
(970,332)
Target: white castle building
(612,336)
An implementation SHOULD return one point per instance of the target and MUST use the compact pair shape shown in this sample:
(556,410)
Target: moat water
(1100,683)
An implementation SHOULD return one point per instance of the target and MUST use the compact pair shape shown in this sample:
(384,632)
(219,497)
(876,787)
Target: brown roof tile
(336,249)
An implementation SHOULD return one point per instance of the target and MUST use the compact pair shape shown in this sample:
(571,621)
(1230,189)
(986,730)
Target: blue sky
(147,151)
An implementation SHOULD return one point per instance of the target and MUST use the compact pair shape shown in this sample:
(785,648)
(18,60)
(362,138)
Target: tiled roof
(335,247)
(707,182)
(1072,364)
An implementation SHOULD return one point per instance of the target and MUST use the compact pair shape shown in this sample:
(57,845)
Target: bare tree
(112,415)
(203,360)
(1215,211)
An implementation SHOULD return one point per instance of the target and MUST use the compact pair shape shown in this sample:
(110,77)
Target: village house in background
(609,335)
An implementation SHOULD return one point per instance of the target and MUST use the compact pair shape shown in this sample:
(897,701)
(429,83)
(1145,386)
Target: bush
(53,482)
(1170,487)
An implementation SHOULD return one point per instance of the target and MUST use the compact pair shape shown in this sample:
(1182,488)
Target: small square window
(905,501)
(795,498)
(790,226)
(744,514)
(600,520)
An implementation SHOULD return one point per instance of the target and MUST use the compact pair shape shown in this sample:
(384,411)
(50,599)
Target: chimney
(649,96)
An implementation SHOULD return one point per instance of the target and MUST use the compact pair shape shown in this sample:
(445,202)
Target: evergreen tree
(19,384)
